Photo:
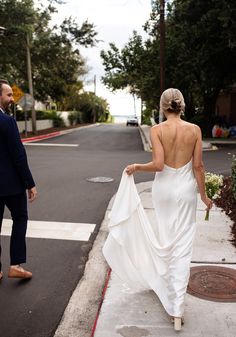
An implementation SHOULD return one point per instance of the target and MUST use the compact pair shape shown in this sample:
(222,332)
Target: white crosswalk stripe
(53,230)
(51,144)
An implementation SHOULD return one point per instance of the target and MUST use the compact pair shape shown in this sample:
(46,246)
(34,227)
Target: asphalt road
(34,308)
(220,161)
(61,172)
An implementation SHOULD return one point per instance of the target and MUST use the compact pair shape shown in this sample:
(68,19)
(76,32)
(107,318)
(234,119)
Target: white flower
(213,182)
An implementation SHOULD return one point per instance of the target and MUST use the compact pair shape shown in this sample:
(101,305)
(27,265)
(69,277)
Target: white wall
(64,115)
(41,125)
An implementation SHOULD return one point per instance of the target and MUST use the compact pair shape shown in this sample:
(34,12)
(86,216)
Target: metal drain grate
(213,283)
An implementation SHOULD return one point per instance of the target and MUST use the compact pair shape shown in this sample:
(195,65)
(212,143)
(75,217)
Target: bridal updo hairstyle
(172,101)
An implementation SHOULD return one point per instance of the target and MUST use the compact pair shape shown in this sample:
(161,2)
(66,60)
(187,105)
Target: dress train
(155,258)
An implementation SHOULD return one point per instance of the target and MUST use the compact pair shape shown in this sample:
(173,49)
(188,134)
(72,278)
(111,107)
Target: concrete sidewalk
(127,313)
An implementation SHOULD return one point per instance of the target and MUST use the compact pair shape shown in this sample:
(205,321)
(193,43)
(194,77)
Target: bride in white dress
(160,259)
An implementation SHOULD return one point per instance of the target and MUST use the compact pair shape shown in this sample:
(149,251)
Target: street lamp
(29,74)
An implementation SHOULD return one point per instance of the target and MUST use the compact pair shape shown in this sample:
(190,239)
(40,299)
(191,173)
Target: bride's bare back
(175,142)
(178,139)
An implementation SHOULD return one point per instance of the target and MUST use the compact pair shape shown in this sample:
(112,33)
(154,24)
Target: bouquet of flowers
(213,183)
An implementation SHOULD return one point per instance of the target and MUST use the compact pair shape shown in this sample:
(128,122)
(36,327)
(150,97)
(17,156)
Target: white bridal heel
(177,323)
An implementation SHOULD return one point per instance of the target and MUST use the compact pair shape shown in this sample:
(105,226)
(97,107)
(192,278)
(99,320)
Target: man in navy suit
(15,179)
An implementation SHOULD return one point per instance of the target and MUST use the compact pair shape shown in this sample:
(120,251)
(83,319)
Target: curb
(55,134)
(81,314)
(101,302)
(36,138)
(145,140)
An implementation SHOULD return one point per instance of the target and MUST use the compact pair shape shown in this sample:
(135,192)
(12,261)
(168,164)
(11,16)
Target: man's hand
(32,194)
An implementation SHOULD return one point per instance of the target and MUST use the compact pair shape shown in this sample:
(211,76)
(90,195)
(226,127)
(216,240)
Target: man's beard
(9,110)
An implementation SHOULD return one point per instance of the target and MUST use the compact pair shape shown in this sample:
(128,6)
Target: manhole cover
(100,180)
(213,283)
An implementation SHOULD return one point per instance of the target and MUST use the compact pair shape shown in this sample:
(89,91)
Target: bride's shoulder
(193,129)
(156,131)
(190,125)
(156,128)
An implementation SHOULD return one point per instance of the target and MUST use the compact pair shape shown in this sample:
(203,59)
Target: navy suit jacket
(15,175)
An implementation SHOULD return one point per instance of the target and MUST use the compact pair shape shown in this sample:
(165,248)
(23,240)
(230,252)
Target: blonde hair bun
(175,105)
(171,101)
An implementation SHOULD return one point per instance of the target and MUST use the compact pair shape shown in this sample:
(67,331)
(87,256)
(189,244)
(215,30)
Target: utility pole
(162,46)
(134,105)
(95,84)
(30,82)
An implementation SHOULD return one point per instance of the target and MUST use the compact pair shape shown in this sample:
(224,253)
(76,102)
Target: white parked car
(132,121)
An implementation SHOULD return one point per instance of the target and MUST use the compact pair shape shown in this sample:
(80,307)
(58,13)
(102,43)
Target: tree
(133,68)
(18,19)
(203,49)
(93,108)
(55,55)
(71,101)
(200,55)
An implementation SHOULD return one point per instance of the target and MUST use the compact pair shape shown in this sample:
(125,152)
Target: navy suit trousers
(17,205)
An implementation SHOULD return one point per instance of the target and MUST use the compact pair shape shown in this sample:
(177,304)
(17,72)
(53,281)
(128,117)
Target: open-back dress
(157,258)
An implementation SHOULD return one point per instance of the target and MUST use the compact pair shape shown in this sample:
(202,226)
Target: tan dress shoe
(19,272)
(1,275)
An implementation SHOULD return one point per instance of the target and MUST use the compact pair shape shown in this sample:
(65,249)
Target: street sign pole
(26,127)
(27,103)
(29,72)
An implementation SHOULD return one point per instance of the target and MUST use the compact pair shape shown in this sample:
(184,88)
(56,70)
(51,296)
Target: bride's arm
(199,171)
(157,163)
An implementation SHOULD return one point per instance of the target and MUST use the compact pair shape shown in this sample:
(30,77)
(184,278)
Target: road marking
(50,144)
(53,230)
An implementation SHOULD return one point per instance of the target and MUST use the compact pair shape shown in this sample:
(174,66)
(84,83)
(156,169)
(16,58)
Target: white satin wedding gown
(155,258)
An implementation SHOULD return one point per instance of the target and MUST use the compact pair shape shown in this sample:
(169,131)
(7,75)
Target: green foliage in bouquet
(213,183)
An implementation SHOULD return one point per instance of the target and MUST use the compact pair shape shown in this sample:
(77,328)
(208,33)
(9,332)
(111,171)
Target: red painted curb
(100,305)
(48,135)
(54,134)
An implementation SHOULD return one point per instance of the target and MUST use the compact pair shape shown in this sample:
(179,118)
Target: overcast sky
(115,21)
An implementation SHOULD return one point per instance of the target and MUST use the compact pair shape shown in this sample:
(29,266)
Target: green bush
(102,117)
(58,121)
(40,114)
(110,119)
(75,117)
(233,176)
(146,116)
(43,114)
(72,118)
(20,115)
(79,117)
